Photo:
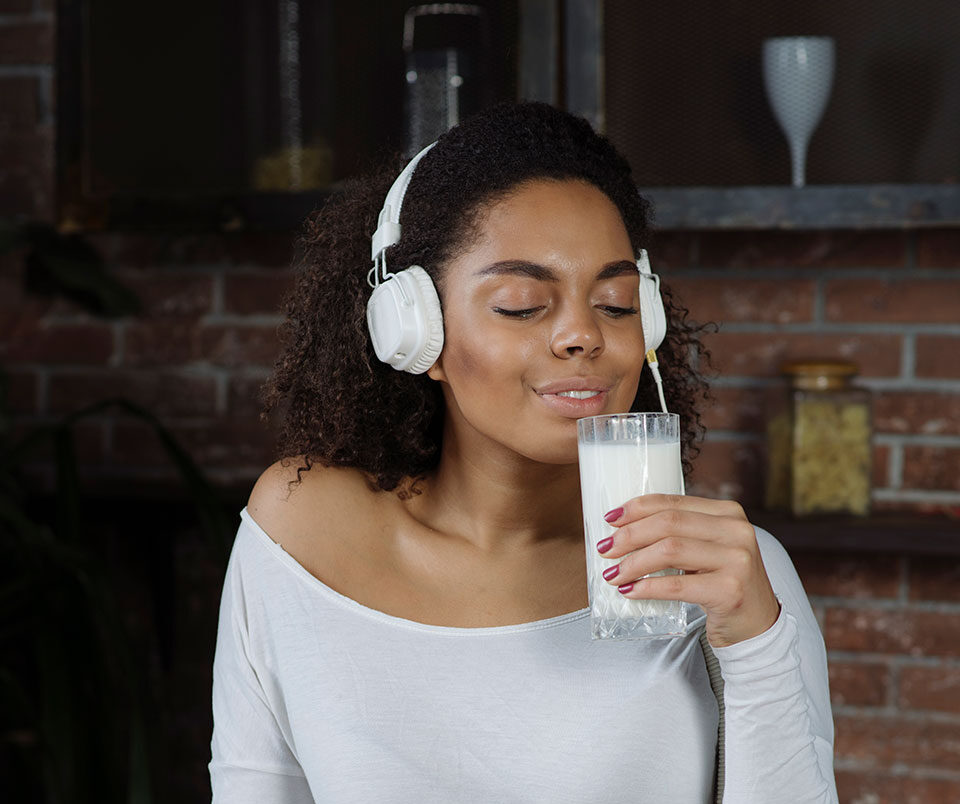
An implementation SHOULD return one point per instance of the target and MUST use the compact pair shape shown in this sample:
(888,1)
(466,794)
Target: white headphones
(403,313)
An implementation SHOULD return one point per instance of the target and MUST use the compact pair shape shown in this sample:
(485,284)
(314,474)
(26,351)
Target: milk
(612,472)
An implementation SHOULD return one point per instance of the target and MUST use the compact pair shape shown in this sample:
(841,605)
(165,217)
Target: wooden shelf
(863,206)
(866,206)
(911,534)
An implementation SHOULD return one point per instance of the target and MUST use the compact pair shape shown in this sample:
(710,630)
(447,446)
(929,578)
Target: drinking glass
(622,456)
(798,76)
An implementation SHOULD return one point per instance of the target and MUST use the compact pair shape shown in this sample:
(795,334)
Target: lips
(574,384)
(575,397)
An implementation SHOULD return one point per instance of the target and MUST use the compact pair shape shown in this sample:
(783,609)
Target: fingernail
(605,544)
(625,588)
(611,572)
(614,515)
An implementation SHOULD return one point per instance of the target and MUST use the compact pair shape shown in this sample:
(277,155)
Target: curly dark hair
(339,405)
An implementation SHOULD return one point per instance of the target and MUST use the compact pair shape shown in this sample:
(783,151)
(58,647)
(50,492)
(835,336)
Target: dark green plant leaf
(86,283)
(67,265)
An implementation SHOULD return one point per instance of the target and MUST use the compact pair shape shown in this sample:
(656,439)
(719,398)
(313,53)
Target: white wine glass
(798,77)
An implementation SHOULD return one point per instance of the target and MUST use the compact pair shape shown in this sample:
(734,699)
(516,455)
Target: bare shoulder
(289,505)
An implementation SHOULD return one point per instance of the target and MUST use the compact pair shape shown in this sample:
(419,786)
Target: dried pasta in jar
(819,445)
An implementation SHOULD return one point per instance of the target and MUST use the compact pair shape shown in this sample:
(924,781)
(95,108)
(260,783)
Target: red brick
(938,356)
(21,318)
(26,43)
(162,393)
(916,412)
(784,301)
(230,442)
(27,180)
(728,470)
(670,250)
(933,688)
(743,409)
(774,249)
(161,343)
(87,443)
(86,344)
(18,102)
(255,293)
(243,398)
(938,248)
(760,354)
(934,579)
(251,249)
(857,684)
(240,346)
(934,468)
(927,508)
(916,633)
(902,301)
(872,787)
(166,296)
(889,740)
(881,467)
(853,575)
(217,443)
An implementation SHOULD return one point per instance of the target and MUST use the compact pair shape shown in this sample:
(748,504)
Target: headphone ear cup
(405,321)
(428,309)
(653,317)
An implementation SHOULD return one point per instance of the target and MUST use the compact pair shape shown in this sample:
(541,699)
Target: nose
(577,333)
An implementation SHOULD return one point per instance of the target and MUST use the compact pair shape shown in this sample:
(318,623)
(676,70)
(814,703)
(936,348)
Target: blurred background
(155,164)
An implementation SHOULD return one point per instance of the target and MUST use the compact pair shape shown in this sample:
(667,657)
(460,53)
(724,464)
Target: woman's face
(541,321)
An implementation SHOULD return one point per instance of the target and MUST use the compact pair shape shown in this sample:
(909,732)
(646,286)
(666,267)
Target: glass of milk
(622,456)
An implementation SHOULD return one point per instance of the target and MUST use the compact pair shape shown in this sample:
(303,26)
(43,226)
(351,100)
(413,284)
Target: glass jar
(819,442)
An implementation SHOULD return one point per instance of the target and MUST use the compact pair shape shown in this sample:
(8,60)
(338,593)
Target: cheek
(485,364)
(483,361)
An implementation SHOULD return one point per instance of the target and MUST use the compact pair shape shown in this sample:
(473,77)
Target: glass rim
(629,415)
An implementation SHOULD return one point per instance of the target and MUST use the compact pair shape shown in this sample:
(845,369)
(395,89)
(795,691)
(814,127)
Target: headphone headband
(388,223)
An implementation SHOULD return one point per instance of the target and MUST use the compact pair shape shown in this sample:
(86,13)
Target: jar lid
(819,374)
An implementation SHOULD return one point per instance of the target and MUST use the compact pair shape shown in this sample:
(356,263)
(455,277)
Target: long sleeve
(779,727)
(252,762)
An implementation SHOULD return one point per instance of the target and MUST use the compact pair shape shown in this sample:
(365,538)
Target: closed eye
(619,312)
(526,313)
(614,312)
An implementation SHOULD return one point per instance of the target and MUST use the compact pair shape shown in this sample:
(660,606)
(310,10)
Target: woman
(404,614)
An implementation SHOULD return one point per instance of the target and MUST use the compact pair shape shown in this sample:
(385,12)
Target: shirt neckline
(278,552)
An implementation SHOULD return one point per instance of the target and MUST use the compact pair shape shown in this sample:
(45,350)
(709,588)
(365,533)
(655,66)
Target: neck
(499,500)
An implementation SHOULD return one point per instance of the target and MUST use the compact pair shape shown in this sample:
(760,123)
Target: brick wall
(890,300)
(887,300)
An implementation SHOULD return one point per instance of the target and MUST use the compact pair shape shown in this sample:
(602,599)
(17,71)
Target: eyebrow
(544,274)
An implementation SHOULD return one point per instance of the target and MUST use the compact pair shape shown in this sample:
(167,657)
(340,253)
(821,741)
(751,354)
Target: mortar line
(908,355)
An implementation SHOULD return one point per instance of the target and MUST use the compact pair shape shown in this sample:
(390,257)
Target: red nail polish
(605,544)
(614,515)
(611,572)
(625,588)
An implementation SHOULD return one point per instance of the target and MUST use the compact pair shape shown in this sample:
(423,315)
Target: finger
(674,522)
(705,589)
(649,504)
(690,555)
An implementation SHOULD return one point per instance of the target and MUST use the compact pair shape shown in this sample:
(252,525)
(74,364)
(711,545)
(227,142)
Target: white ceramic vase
(798,77)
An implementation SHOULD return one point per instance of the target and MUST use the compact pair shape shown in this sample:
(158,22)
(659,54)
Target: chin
(557,449)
